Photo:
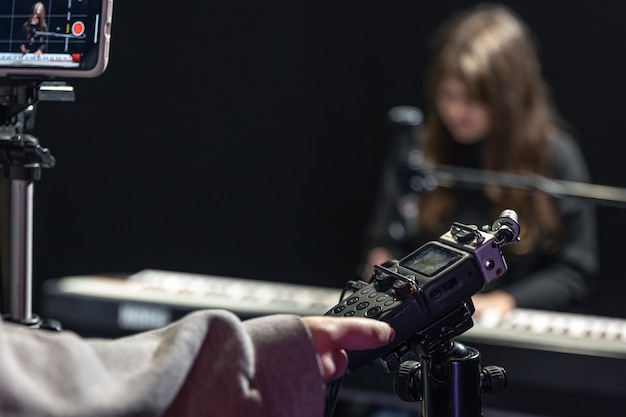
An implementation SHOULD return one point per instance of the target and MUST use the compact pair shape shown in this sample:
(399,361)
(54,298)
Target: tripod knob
(493,379)
(408,382)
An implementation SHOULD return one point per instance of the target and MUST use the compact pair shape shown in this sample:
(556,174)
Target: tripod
(447,378)
(22,160)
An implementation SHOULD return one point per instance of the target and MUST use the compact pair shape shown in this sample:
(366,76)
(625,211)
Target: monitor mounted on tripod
(52,38)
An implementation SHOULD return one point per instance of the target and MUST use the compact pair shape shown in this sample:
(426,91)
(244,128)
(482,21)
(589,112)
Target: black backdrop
(245,138)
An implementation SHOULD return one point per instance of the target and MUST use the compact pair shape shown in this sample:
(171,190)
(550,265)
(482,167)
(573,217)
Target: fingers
(334,364)
(332,336)
(352,333)
(361,333)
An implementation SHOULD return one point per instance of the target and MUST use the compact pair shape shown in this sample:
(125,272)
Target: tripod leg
(20,279)
(5,225)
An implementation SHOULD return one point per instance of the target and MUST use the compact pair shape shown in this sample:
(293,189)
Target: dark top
(561,281)
(34,42)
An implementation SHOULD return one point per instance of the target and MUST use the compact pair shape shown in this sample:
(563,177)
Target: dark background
(245,138)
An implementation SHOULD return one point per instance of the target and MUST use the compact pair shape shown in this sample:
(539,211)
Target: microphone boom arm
(453,176)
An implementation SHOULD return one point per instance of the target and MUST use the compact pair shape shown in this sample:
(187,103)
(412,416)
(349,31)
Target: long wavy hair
(494,54)
(39,10)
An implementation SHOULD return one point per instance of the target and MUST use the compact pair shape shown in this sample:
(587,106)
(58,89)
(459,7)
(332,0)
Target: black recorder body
(426,296)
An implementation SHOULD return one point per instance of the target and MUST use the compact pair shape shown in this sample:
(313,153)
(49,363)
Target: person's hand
(333,335)
(493,306)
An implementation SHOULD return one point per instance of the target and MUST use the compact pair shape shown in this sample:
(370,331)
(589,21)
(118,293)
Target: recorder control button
(349,313)
(338,309)
(352,300)
(362,305)
(384,282)
(373,312)
(401,288)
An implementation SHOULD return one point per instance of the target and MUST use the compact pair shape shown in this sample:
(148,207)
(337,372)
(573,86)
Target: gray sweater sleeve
(207,364)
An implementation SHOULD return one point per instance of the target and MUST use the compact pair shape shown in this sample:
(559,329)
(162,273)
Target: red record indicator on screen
(78,28)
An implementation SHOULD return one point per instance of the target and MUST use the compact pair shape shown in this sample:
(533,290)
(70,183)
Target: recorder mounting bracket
(447,376)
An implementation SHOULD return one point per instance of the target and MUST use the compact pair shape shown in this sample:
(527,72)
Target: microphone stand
(432,176)
(416,176)
(405,122)
(22,159)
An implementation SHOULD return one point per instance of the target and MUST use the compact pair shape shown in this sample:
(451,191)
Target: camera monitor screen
(54,37)
(430,260)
